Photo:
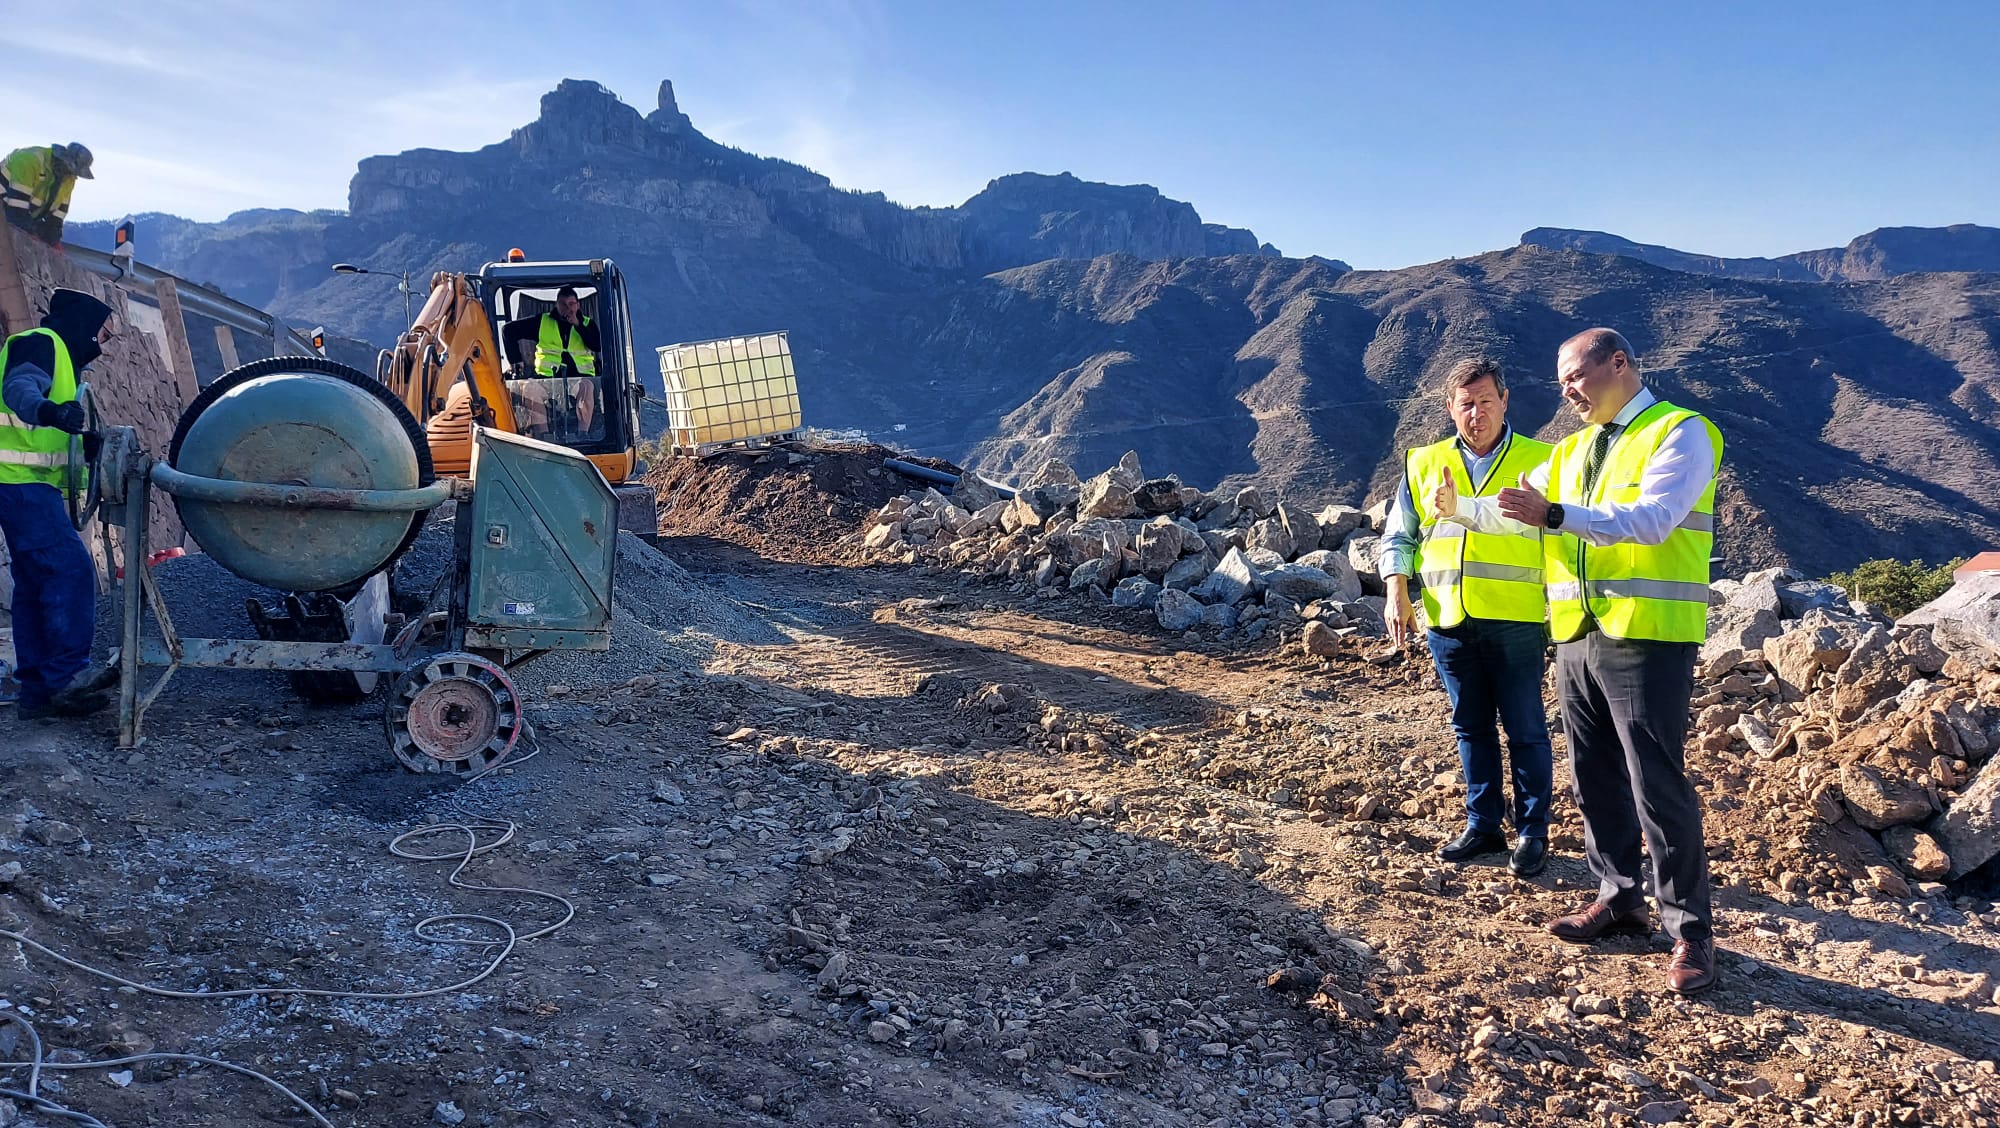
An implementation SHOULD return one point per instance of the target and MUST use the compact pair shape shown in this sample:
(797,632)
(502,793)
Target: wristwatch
(1555,518)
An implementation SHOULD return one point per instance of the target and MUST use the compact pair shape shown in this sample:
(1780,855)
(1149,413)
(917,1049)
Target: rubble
(1880,731)
(1232,563)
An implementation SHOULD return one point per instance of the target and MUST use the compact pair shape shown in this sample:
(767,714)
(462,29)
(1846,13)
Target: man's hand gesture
(1525,503)
(1444,499)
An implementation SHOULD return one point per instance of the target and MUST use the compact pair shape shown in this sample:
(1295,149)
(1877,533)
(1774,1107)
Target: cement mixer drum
(301,421)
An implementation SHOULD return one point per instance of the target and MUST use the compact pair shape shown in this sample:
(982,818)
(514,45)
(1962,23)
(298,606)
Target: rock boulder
(1969,830)
(1177,610)
(1878,802)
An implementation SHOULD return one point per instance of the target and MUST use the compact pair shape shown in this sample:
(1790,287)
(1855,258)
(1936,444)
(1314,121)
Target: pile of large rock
(1233,562)
(1876,729)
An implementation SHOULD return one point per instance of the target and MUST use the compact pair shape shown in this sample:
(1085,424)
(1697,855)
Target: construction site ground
(945,854)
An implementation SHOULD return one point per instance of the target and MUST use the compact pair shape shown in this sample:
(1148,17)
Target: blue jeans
(55,590)
(1494,668)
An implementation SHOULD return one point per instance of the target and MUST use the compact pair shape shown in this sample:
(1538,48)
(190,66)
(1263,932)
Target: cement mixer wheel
(453,712)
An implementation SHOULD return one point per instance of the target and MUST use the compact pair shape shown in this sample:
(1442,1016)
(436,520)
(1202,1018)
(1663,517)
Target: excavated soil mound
(791,502)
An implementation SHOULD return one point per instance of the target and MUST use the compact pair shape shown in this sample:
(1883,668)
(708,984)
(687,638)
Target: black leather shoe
(1472,844)
(68,703)
(1530,857)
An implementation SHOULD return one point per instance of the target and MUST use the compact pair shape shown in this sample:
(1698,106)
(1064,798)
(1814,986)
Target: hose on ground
(499,832)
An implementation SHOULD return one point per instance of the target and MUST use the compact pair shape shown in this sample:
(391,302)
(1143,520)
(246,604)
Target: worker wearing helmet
(55,582)
(37,182)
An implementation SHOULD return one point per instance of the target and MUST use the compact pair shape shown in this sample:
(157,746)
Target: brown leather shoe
(1597,919)
(1692,970)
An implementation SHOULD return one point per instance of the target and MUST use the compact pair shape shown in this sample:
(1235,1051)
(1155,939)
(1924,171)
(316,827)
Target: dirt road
(949,855)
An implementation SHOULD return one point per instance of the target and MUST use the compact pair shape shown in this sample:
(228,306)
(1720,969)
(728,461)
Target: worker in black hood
(55,597)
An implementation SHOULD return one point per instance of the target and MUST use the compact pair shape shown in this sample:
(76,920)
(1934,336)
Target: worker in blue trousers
(55,581)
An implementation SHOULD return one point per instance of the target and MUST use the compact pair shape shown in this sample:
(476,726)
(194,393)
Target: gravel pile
(663,620)
(790,502)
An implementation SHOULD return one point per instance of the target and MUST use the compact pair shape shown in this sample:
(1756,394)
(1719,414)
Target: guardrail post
(177,339)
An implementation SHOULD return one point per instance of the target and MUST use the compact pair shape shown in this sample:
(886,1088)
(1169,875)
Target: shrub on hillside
(1898,587)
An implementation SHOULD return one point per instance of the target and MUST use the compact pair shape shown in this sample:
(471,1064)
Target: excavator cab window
(568,407)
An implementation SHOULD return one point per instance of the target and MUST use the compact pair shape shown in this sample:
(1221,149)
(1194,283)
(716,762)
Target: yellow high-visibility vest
(549,349)
(1632,591)
(31,186)
(28,453)
(1468,574)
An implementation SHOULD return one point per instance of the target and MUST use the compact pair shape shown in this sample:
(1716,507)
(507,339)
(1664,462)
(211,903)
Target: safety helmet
(77,157)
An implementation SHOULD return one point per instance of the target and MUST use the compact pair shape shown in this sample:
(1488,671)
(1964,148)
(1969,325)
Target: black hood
(76,317)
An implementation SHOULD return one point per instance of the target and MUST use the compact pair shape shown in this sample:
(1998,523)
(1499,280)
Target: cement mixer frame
(453,706)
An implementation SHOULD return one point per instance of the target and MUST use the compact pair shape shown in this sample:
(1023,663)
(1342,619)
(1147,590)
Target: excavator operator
(559,402)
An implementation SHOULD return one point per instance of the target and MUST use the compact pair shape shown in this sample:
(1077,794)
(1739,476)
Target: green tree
(1898,587)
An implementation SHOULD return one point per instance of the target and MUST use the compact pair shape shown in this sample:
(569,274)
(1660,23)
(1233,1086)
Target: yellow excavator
(470,357)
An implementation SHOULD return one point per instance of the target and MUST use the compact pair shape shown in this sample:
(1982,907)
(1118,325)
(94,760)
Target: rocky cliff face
(1028,217)
(724,238)
(1882,253)
(1049,315)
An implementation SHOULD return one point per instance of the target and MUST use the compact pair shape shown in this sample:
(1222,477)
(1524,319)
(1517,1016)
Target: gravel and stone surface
(956,851)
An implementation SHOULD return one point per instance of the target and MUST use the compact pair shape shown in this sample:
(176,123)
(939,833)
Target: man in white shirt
(1627,508)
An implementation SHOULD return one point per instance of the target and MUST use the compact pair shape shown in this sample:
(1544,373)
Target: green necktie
(1598,447)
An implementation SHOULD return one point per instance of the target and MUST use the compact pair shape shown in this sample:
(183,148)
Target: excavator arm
(447,370)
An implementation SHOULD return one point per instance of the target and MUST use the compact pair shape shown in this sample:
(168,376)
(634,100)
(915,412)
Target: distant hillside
(1882,253)
(1859,420)
(1052,316)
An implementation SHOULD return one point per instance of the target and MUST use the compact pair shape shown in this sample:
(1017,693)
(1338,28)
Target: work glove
(93,444)
(62,416)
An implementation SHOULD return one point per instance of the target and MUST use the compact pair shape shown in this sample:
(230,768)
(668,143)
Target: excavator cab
(590,408)
(462,364)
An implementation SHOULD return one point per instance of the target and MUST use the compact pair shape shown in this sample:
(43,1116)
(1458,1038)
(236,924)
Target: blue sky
(1384,134)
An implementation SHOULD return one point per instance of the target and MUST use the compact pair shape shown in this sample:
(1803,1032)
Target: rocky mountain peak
(669,116)
(580,116)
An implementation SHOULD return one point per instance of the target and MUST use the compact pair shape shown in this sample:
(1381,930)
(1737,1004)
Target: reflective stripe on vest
(38,454)
(1467,574)
(1631,591)
(549,348)
(33,458)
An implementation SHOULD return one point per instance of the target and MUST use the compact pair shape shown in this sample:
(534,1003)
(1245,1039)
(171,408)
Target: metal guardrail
(196,298)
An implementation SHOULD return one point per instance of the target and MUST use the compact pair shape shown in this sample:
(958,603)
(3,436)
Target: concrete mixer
(309,477)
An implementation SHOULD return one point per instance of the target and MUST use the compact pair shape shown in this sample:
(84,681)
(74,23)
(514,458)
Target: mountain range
(1857,388)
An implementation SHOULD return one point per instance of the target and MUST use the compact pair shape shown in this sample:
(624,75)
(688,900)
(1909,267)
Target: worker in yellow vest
(1482,600)
(565,341)
(36,183)
(55,582)
(560,348)
(1627,510)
